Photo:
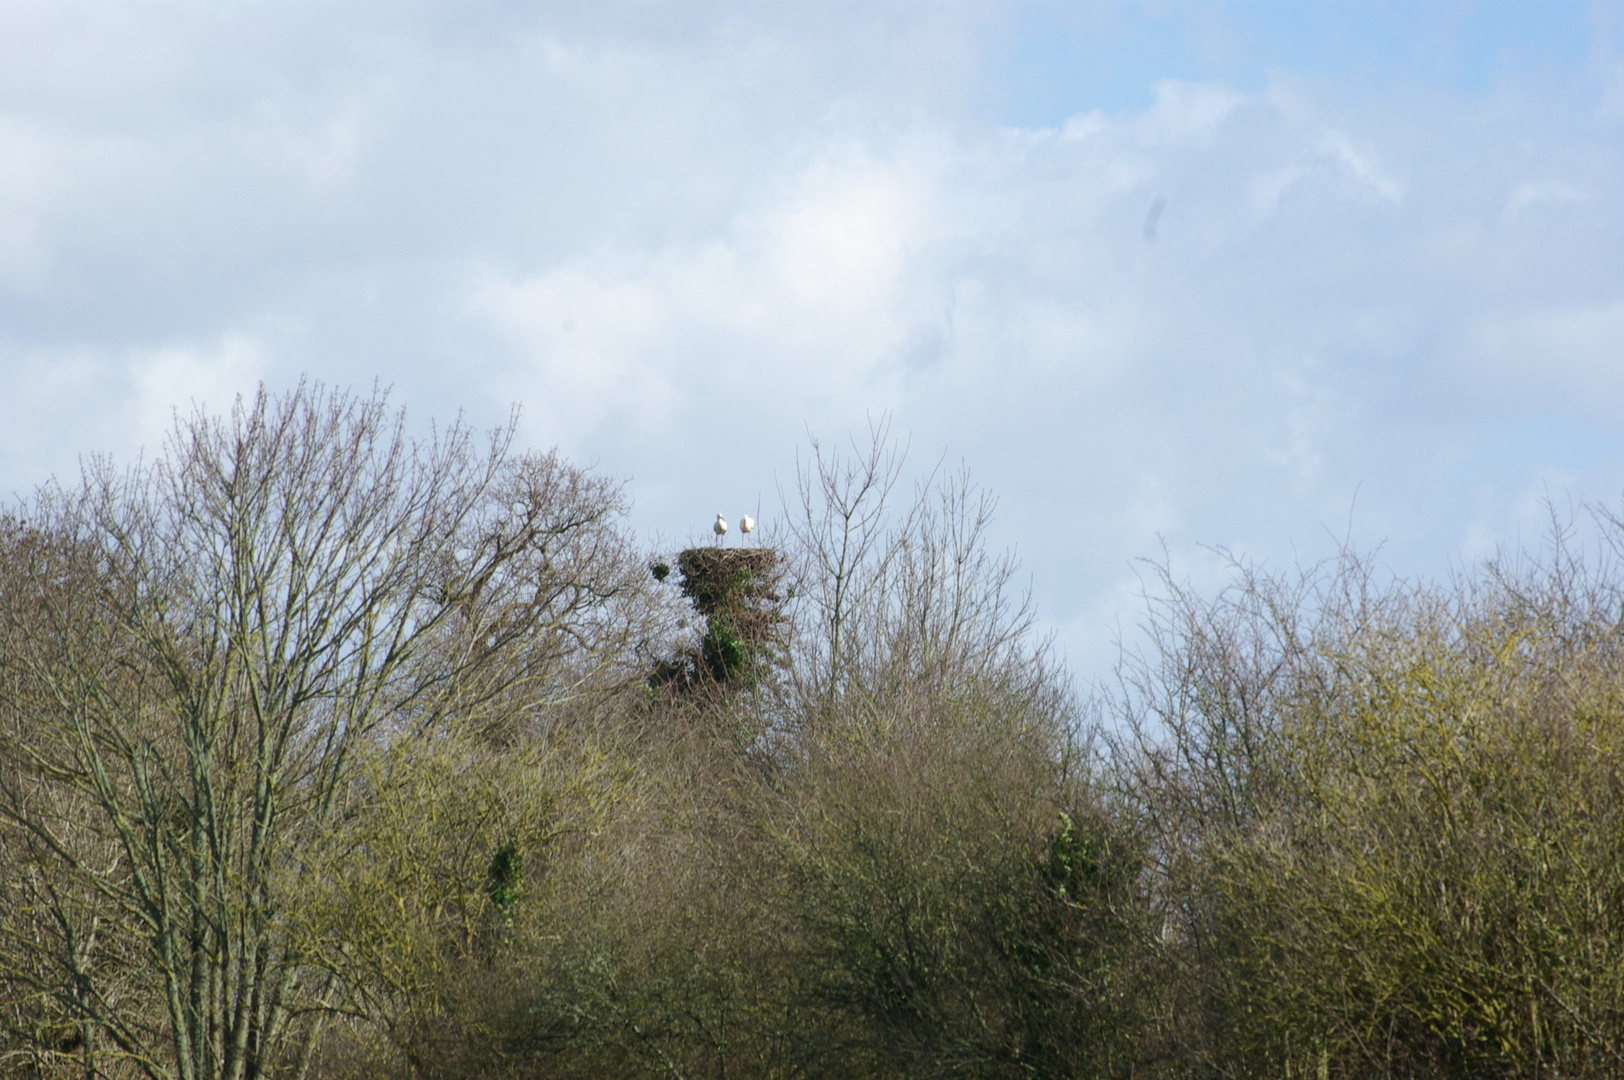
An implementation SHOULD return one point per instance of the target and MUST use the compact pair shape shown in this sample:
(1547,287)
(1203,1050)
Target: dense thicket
(327,753)
(1388,819)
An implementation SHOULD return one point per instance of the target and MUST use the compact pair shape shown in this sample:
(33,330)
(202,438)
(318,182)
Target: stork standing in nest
(720,528)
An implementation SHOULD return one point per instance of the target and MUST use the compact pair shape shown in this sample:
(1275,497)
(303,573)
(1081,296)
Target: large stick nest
(724,581)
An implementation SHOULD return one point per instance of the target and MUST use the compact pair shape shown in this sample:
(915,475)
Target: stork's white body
(720,528)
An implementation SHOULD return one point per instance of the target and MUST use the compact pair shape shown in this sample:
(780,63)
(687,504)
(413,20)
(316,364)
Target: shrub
(1392,822)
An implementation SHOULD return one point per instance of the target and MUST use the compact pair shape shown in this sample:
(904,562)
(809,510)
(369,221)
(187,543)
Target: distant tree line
(327,752)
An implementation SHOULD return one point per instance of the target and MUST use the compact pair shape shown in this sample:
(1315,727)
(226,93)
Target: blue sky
(1065,57)
(1164,276)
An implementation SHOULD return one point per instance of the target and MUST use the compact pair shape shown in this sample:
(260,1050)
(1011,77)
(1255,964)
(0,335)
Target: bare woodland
(330,752)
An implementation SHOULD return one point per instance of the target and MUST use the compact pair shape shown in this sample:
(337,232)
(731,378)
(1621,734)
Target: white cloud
(1542,194)
(803,297)
(1186,112)
(1332,160)
(840,242)
(1568,358)
(68,402)
(181,378)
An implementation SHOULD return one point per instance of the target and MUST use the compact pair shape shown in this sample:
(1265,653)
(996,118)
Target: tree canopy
(328,752)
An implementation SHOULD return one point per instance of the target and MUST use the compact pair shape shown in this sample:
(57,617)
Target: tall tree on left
(194,655)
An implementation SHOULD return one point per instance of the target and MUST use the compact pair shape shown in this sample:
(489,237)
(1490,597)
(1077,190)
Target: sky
(1168,278)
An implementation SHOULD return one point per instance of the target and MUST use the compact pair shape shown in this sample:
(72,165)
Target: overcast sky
(1256,275)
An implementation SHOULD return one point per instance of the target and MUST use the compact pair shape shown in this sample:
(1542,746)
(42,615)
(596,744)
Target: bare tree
(838,525)
(195,654)
(903,596)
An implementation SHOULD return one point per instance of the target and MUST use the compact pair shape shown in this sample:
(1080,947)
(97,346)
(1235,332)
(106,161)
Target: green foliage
(502,879)
(504,882)
(968,909)
(1397,842)
(726,655)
